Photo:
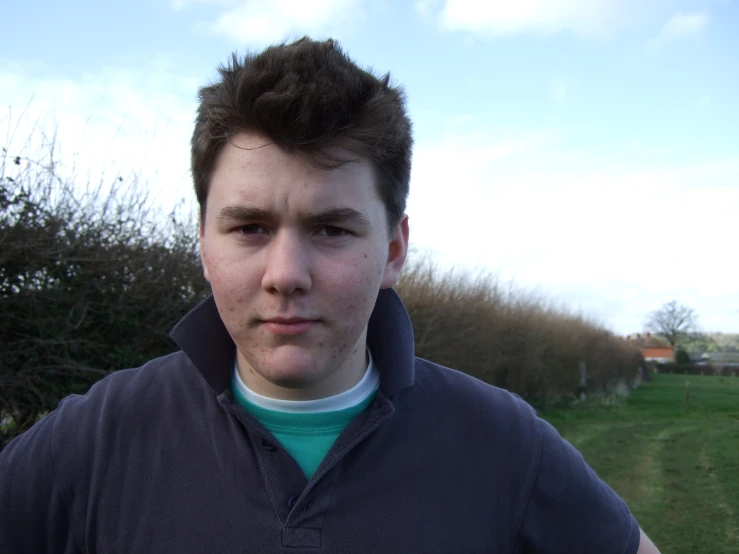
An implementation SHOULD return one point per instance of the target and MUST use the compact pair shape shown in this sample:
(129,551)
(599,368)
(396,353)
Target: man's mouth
(289,326)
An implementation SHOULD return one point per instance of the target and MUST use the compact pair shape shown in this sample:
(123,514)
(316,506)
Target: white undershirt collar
(347,399)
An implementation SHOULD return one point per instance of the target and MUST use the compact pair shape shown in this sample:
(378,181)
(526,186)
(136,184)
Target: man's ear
(397,252)
(203,261)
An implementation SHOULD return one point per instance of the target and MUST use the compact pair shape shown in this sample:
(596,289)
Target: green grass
(677,471)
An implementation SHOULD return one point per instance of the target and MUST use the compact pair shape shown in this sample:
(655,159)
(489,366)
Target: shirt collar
(203,338)
(365,388)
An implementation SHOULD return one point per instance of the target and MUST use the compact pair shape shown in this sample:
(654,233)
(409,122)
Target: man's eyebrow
(338,216)
(243,213)
(332,216)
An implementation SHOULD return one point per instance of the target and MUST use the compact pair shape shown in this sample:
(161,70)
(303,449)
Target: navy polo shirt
(161,459)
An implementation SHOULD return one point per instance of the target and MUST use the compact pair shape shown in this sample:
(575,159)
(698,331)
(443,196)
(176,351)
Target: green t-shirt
(306,436)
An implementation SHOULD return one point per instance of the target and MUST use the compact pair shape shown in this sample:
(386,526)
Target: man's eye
(333,231)
(251,229)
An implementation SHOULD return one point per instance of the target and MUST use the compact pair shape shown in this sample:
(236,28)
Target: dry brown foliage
(92,278)
(511,339)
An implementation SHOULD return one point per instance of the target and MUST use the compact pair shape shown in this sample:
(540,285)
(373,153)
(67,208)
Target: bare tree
(672,321)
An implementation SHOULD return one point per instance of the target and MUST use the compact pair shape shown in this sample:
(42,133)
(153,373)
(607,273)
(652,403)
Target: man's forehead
(254,148)
(263,170)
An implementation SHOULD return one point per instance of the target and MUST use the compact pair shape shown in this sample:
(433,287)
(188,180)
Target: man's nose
(288,264)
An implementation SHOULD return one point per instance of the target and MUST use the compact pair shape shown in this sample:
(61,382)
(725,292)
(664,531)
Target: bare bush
(91,280)
(510,339)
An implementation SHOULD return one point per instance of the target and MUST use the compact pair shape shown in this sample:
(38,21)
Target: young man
(296,417)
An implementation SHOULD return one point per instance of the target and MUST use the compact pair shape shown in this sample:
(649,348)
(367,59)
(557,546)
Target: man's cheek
(232,297)
(355,303)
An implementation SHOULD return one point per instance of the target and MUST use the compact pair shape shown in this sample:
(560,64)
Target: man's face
(295,257)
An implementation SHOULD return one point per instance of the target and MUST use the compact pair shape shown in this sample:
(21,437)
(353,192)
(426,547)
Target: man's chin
(294,381)
(292,367)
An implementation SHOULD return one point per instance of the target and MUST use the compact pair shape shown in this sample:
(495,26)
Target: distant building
(726,360)
(652,348)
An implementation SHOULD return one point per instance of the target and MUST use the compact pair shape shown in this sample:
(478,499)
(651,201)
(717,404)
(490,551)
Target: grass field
(677,471)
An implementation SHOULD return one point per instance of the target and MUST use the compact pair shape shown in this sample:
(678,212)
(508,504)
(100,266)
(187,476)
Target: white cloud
(684,25)
(680,26)
(613,243)
(591,18)
(269,21)
(110,123)
(502,17)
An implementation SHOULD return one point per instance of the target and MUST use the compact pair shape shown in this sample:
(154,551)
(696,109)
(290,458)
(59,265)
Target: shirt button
(268,445)
(292,501)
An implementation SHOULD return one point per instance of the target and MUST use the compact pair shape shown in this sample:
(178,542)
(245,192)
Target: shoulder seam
(530,484)
(56,482)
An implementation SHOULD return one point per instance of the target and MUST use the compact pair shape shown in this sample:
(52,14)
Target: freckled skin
(285,268)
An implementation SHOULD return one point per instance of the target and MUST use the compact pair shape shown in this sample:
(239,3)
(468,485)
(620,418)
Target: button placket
(281,474)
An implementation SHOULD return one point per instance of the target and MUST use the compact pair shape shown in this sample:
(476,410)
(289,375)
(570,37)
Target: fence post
(687,397)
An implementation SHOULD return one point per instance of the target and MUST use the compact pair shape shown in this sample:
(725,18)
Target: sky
(584,150)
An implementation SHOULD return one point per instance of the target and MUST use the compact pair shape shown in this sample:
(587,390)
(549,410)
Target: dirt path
(679,473)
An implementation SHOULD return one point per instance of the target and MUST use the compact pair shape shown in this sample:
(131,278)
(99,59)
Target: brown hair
(308,98)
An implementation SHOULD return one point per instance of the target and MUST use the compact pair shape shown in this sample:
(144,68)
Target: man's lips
(288,320)
(289,326)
